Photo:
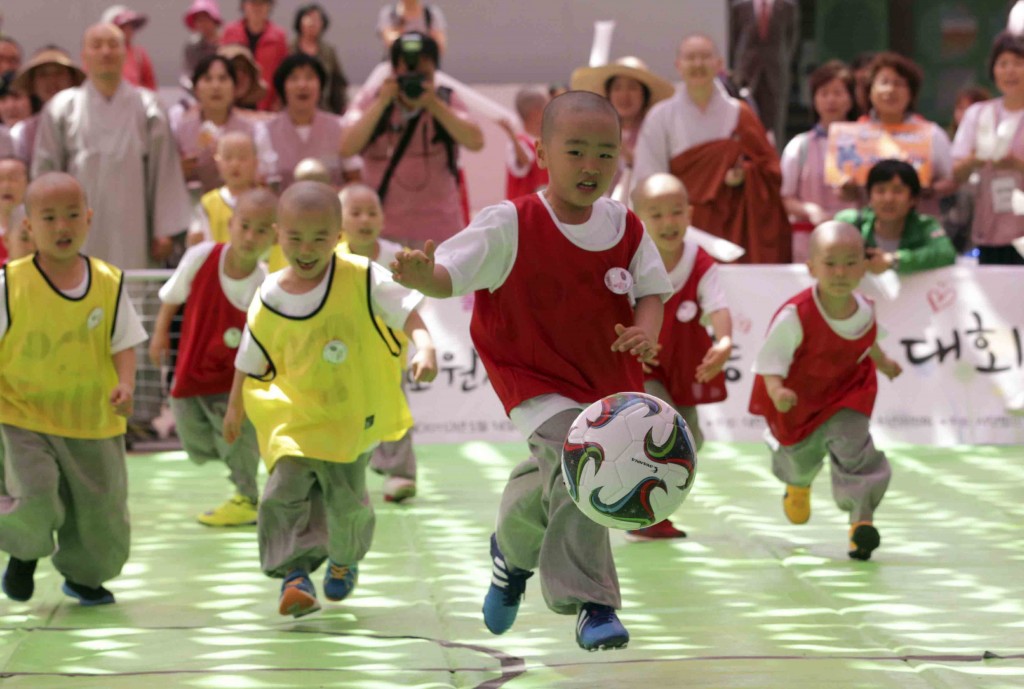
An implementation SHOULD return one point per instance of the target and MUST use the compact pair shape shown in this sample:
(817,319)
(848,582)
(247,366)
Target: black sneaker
(18,583)
(87,595)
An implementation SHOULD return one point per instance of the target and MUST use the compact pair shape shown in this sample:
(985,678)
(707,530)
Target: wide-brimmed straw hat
(259,88)
(121,15)
(595,78)
(200,7)
(47,56)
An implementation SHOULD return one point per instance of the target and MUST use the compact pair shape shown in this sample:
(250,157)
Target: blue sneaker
(339,580)
(508,585)
(598,628)
(298,597)
(87,595)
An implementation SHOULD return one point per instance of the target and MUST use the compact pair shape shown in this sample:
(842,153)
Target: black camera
(410,49)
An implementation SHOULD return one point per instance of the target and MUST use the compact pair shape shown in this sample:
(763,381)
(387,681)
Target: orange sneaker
(796,503)
(656,532)
(864,539)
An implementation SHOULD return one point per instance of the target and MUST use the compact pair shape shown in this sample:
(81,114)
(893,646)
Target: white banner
(958,332)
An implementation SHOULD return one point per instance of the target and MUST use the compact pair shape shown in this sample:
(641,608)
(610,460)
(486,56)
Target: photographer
(409,133)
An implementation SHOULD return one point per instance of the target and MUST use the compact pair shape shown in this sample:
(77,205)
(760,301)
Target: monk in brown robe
(718,147)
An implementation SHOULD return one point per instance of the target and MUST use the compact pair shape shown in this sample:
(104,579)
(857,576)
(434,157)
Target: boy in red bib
(690,372)
(218,281)
(552,274)
(816,387)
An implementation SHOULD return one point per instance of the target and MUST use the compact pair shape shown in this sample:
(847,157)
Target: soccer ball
(628,461)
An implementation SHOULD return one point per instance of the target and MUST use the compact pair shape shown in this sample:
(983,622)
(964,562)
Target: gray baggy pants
(860,473)
(689,414)
(540,527)
(200,423)
(397,458)
(311,510)
(75,487)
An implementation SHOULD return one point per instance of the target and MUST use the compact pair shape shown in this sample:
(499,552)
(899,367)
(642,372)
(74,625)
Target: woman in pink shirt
(990,144)
(808,198)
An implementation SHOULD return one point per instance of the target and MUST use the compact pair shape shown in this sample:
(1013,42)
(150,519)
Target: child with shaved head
(553,273)
(238,165)
(320,381)
(816,387)
(217,281)
(68,334)
(690,372)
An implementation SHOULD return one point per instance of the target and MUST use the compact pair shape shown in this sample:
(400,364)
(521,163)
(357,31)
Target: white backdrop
(958,333)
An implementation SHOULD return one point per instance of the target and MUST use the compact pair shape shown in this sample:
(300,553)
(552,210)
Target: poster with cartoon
(854,147)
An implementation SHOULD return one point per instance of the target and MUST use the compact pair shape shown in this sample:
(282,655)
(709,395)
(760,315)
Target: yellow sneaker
(864,539)
(796,503)
(238,511)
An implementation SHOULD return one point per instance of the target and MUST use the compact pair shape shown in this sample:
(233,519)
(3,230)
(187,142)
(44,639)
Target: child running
(362,219)
(68,334)
(320,381)
(552,274)
(816,387)
(691,364)
(217,281)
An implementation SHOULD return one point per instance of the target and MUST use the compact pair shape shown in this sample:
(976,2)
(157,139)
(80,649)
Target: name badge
(232,338)
(1002,193)
(335,352)
(686,311)
(618,280)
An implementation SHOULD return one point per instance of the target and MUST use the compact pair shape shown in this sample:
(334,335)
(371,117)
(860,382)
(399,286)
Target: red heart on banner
(743,324)
(941,296)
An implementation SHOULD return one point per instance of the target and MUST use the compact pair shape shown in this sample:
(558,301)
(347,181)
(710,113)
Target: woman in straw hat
(250,86)
(632,89)
(50,71)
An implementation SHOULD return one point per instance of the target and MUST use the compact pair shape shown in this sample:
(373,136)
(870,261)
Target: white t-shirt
(239,292)
(786,334)
(391,302)
(710,294)
(482,255)
(128,330)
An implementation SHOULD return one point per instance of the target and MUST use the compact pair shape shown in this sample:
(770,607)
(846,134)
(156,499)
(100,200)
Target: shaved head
(659,184)
(50,184)
(835,233)
(310,197)
(312,170)
(575,102)
(102,30)
(358,189)
(231,139)
(256,200)
(697,39)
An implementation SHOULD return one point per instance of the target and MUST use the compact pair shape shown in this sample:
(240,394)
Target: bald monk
(719,149)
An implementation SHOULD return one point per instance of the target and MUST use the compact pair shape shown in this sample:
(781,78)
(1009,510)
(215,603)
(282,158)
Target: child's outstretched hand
(233,418)
(414,268)
(783,398)
(637,342)
(424,365)
(122,398)
(889,367)
(715,358)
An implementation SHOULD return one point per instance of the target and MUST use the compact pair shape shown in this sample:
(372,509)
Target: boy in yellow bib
(319,379)
(67,375)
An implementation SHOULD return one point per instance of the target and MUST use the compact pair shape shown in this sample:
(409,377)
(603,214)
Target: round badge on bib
(618,280)
(232,338)
(687,311)
(335,352)
(95,317)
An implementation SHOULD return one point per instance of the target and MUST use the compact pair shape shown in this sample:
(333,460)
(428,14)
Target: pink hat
(199,7)
(122,16)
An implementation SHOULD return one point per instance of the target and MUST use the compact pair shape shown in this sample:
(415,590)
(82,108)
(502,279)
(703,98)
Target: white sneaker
(397,489)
